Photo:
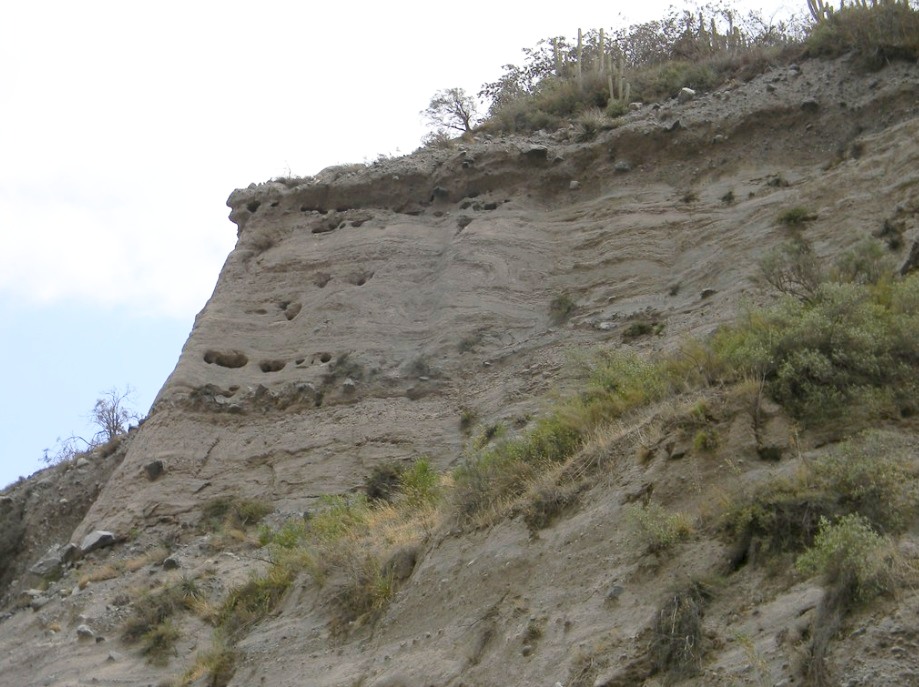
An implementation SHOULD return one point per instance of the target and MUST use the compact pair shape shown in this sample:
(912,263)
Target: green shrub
(795,217)
(337,517)
(620,381)
(365,592)
(561,307)
(251,602)
(876,34)
(850,553)
(871,476)
(866,263)
(705,440)
(848,351)
(666,80)
(502,472)
(655,528)
(158,643)
(233,512)
(420,484)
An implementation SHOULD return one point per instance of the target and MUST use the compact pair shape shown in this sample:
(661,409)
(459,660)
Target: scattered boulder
(96,540)
(50,563)
(622,166)
(85,633)
(574,185)
(171,562)
(686,95)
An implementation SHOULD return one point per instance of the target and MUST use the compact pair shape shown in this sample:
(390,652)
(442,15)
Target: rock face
(365,310)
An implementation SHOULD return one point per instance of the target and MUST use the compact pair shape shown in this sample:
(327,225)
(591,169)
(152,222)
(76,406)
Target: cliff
(369,315)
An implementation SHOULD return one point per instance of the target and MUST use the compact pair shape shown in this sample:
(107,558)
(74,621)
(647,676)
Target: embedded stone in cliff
(231,359)
(292,310)
(154,469)
(97,539)
(810,105)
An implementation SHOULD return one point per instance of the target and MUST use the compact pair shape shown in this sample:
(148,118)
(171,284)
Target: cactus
(580,56)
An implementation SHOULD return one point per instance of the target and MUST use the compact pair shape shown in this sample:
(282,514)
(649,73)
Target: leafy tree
(452,108)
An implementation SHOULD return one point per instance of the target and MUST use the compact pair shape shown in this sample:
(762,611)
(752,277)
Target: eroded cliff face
(364,309)
(361,310)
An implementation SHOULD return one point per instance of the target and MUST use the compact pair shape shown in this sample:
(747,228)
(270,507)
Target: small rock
(85,632)
(463,221)
(676,126)
(614,593)
(114,657)
(96,540)
(707,293)
(719,138)
(171,562)
(770,88)
(574,185)
(348,386)
(622,166)
(810,105)
(39,602)
(155,469)
(81,462)
(685,95)
(526,650)
(634,107)
(536,153)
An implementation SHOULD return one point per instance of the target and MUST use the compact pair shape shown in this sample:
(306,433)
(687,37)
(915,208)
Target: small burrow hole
(231,359)
(272,365)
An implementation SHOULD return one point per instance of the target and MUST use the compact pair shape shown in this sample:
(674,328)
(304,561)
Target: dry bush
(677,641)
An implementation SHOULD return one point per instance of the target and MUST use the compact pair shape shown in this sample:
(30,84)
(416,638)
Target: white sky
(124,127)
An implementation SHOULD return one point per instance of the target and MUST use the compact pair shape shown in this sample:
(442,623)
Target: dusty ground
(363,310)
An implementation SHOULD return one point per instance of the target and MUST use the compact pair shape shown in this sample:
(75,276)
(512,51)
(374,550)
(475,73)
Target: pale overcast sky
(124,127)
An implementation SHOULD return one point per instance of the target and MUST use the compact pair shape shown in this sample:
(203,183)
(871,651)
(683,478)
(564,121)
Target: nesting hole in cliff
(231,359)
(299,361)
(322,279)
(291,310)
(275,203)
(272,365)
(325,357)
(360,278)
(253,205)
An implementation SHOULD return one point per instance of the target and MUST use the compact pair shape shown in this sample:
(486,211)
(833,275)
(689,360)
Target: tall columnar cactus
(580,56)
(820,10)
(619,88)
